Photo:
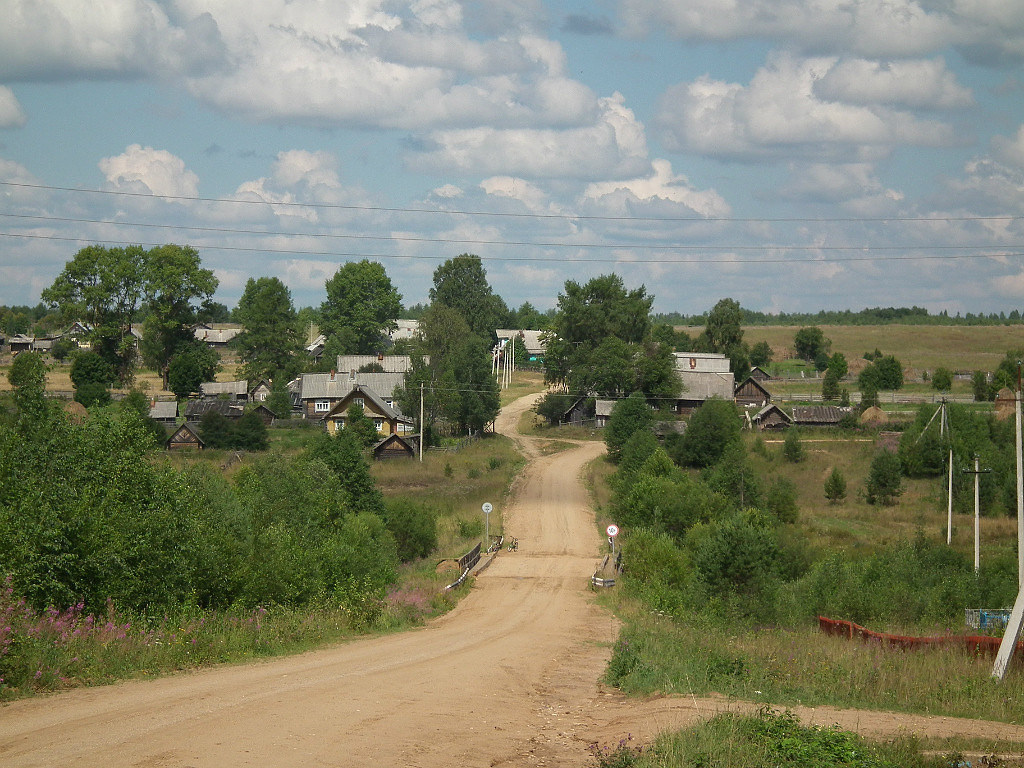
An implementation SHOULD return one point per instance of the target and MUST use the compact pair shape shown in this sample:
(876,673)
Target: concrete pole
(949,512)
(422,430)
(1020,489)
(977,518)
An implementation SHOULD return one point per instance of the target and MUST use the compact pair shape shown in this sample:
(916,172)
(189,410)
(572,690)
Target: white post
(422,431)
(1020,494)
(1010,637)
(949,513)
(977,519)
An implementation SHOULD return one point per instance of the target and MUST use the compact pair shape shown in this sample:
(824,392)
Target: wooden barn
(751,392)
(185,437)
(771,417)
(396,447)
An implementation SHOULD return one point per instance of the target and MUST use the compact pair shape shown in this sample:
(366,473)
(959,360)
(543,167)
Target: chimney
(332,374)
(352,374)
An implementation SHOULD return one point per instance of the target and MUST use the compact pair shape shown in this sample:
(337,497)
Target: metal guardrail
(598,581)
(466,564)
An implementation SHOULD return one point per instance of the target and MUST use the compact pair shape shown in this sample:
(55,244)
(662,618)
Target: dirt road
(509,678)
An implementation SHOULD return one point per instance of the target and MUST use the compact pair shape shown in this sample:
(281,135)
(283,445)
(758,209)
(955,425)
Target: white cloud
(918,84)
(852,184)
(371,63)
(622,197)
(1010,150)
(42,39)
(780,113)
(156,170)
(614,146)
(531,196)
(11,113)
(871,28)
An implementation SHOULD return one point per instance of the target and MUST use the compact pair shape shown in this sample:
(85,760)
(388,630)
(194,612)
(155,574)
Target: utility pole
(977,511)
(1020,486)
(422,430)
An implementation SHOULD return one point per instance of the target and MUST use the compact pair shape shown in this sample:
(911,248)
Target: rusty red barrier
(976,644)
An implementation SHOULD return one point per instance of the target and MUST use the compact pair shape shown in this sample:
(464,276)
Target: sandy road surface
(509,678)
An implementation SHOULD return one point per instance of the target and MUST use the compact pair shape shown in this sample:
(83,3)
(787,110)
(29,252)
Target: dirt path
(509,678)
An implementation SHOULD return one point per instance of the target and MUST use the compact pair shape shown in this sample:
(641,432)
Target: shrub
(885,479)
(835,486)
(792,448)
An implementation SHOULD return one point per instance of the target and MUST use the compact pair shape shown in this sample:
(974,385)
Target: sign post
(487,508)
(612,531)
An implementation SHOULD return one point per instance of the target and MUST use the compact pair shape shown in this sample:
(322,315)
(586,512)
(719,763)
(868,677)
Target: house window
(379,424)
(322,406)
(358,401)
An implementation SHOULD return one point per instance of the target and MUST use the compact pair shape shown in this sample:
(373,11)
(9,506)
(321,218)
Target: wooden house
(819,415)
(196,409)
(185,437)
(386,419)
(164,411)
(771,417)
(318,393)
(264,414)
(235,390)
(579,412)
(759,373)
(396,447)
(260,392)
(751,392)
(217,335)
(703,375)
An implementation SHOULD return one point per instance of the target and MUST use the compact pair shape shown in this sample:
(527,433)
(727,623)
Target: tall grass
(777,739)
(698,654)
(58,649)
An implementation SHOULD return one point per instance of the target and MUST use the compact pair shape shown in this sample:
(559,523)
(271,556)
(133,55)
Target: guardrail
(466,563)
(599,581)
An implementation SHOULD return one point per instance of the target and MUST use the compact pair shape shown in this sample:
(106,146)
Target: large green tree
(461,283)
(176,286)
(602,342)
(270,340)
(361,309)
(723,333)
(103,288)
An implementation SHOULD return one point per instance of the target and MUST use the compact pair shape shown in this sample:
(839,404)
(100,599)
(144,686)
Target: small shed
(771,417)
(264,414)
(185,437)
(396,446)
(603,412)
(760,374)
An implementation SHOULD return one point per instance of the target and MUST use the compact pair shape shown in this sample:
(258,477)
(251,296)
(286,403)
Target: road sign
(487,508)
(613,530)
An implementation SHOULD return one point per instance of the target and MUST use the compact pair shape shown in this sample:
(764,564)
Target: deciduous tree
(461,284)
(361,309)
(269,343)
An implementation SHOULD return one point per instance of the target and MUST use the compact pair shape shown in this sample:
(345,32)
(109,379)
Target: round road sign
(487,508)
(613,530)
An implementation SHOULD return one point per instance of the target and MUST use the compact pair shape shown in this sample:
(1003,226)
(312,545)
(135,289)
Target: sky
(794,155)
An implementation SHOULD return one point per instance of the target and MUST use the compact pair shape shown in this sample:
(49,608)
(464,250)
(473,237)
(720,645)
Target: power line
(518,243)
(508,214)
(993,252)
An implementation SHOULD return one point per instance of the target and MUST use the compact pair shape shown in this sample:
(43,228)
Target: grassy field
(918,347)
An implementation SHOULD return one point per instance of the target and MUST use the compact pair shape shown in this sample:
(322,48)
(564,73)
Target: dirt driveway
(509,678)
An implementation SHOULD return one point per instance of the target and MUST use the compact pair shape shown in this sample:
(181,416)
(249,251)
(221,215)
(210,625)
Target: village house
(185,437)
(704,375)
(386,419)
(164,411)
(318,393)
(234,390)
(217,335)
(260,392)
(751,392)
(396,447)
(771,417)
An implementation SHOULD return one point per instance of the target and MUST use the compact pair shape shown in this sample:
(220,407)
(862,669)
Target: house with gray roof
(236,390)
(320,392)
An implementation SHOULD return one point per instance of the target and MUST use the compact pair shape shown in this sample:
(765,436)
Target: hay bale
(873,416)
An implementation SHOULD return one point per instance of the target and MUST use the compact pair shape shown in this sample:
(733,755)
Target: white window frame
(321,406)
